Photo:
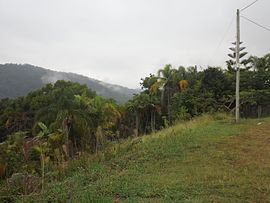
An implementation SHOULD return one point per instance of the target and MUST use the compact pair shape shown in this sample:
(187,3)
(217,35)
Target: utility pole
(237,105)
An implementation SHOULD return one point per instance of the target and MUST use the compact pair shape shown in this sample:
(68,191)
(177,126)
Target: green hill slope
(204,160)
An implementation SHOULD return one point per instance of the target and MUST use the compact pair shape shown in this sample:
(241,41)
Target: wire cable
(261,26)
(222,40)
(246,7)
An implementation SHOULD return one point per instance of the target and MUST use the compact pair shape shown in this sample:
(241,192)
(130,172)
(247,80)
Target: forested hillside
(44,131)
(18,80)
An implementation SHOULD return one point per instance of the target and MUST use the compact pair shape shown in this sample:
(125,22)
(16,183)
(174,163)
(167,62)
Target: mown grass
(197,161)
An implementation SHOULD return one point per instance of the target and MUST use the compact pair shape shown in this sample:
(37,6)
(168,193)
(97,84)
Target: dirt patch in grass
(252,148)
(247,159)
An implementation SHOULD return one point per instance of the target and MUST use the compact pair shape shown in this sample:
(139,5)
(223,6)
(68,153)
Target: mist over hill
(19,79)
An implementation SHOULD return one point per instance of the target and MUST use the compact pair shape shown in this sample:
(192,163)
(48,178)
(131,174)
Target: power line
(261,26)
(246,7)
(222,40)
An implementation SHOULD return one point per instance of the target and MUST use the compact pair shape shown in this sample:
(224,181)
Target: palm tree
(101,115)
(166,81)
(151,85)
(134,106)
(64,116)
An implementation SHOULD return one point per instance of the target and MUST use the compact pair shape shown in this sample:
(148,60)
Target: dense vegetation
(176,94)
(42,132)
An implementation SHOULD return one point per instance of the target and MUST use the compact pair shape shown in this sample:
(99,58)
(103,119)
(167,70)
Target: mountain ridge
(19,79)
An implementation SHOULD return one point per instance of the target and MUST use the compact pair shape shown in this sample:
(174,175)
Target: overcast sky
(120,41)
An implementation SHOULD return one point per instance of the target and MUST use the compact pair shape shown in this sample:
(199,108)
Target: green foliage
(210,90)
(11,153)
(61,121)
(44,130)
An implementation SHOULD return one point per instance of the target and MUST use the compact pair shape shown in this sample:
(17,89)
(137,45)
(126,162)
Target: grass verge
(203,160)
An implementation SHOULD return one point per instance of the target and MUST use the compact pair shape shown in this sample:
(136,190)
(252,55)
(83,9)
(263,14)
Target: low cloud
(51,77)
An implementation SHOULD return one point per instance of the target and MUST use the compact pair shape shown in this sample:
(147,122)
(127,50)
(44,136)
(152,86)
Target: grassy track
(204,160)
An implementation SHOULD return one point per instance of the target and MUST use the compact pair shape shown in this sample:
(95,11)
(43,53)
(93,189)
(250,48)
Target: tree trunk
(162,97)
(137,123)
(168,107)
(42,160)
(75,146)
(146,124)
(66,125)
(66,144)
(259,111)
(93,143)
(153,118)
